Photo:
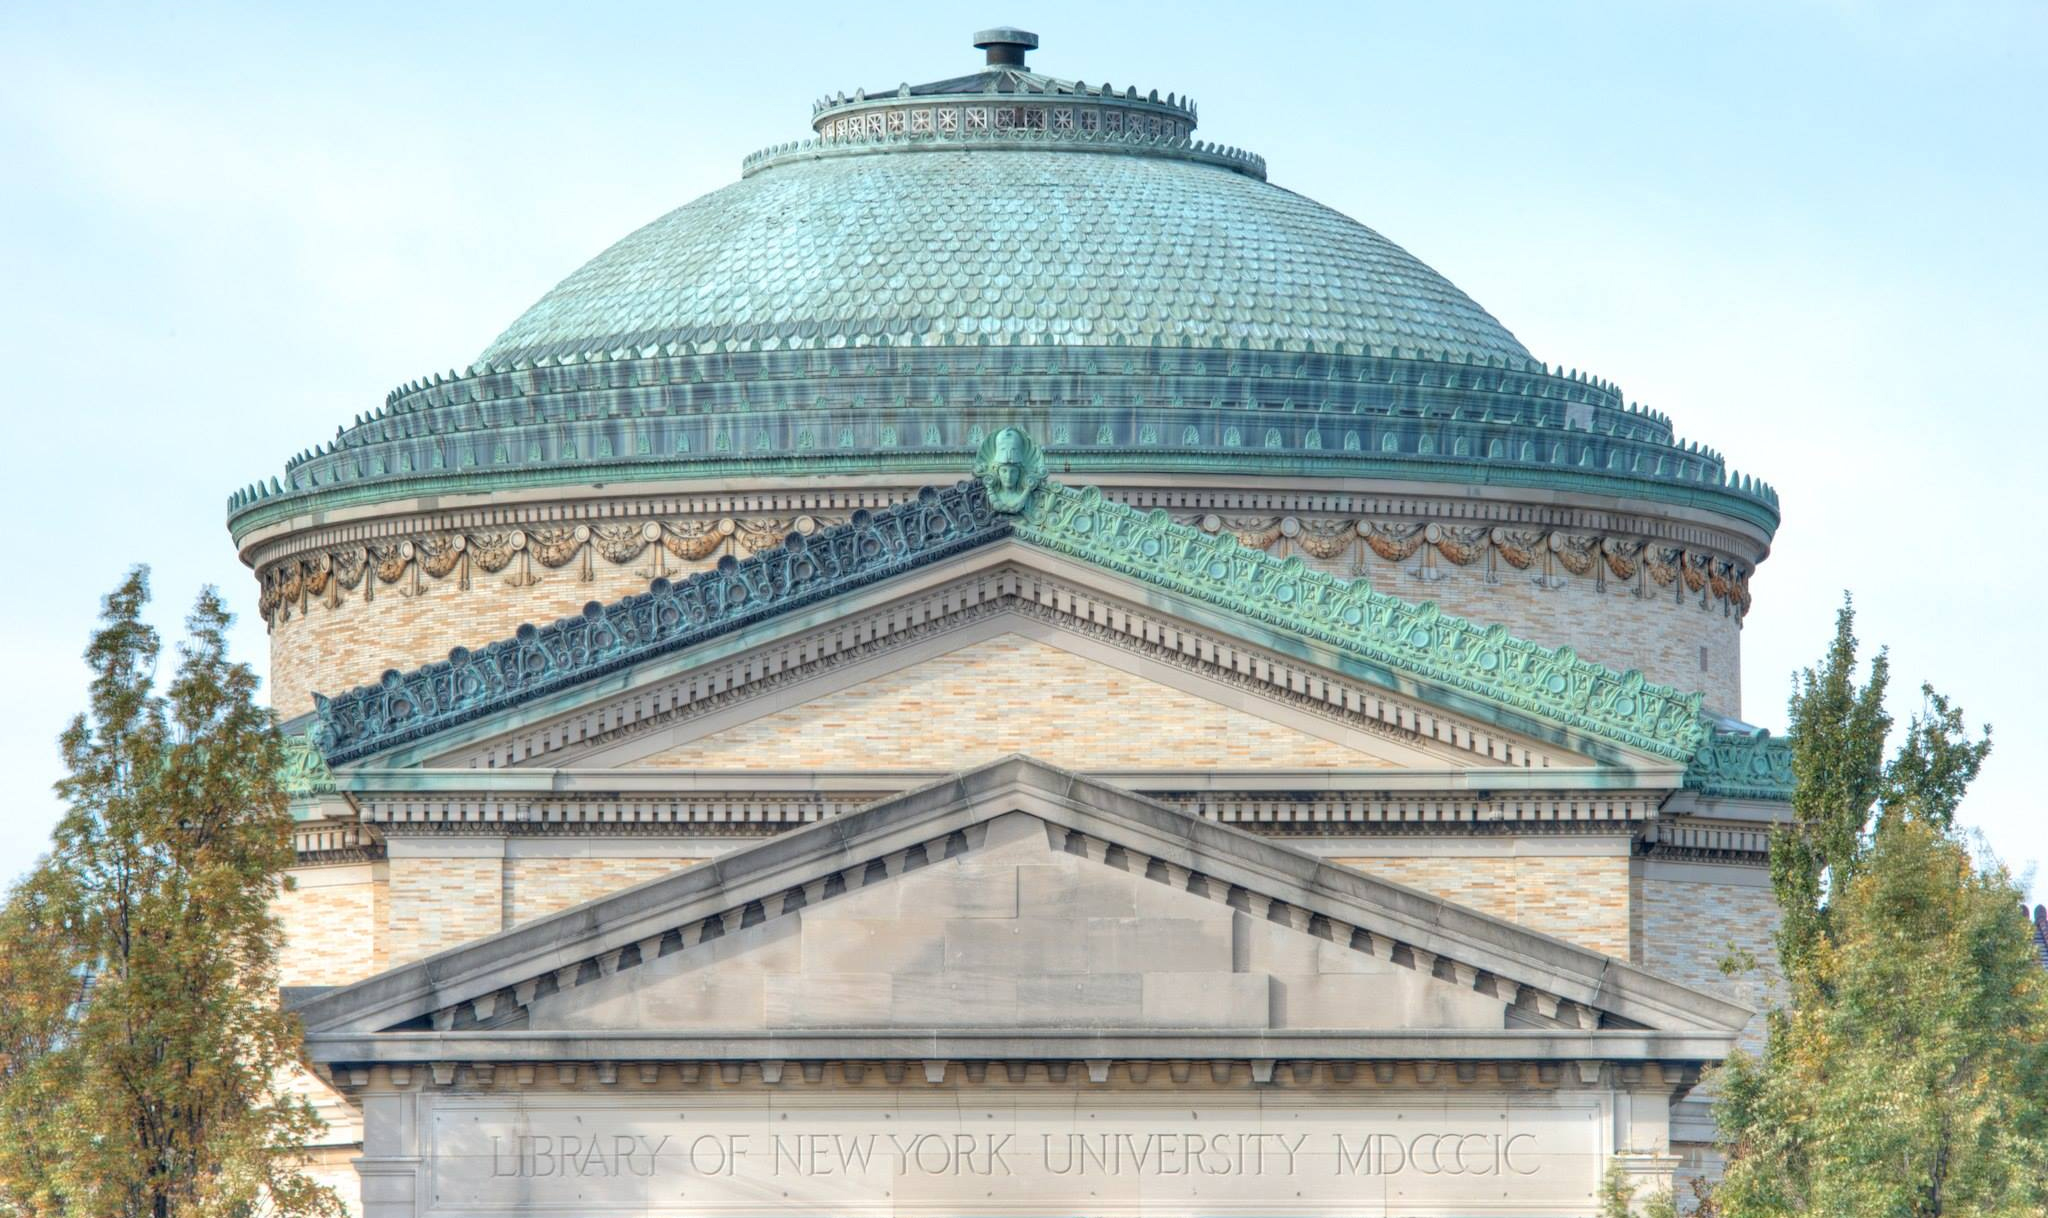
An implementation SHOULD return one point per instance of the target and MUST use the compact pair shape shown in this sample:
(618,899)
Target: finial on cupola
(1006,45)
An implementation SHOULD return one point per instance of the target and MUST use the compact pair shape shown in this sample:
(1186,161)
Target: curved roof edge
(918,409)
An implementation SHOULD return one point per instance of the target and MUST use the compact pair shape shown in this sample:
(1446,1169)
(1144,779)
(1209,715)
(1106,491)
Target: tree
(1907,1072)
(142,1049)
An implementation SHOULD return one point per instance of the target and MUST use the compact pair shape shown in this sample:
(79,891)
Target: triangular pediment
(1136,580)
(1015,932)
(1024,898)
(971,691)
(1004,649)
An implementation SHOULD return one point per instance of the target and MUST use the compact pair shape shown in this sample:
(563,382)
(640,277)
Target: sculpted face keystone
(1010,466)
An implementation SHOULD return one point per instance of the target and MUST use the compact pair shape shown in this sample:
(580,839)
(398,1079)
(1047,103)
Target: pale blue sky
(1809,232)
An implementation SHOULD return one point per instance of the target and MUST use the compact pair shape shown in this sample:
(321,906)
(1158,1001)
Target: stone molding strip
(415,1061)
(399,812)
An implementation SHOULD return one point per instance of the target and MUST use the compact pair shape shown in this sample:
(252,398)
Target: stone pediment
(1006,649)
(1013,901)
(1151,582)
(1015,932)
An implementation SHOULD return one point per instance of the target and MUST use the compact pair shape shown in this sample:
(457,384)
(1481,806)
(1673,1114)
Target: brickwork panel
(437,903)
(533,887)
(329,650)
(1689,928)
(1581,898)
(329,927)
(1620,623)
(1010,695)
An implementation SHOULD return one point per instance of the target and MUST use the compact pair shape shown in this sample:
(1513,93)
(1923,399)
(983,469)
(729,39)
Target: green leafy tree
(1907,1073)
(143,1055)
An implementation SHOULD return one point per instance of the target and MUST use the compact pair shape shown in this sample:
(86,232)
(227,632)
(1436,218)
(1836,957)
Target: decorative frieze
(665,546)
(868,548)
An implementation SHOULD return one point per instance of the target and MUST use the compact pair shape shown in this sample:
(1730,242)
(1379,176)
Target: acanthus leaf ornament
(405,706)
(1417,638)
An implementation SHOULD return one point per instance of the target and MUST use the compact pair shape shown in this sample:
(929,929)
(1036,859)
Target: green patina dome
(1082,245)
(1002,249)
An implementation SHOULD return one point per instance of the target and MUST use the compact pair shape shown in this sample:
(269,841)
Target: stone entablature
(1388,1008)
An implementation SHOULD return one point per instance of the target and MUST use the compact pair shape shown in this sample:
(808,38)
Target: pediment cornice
(1007,590)
(1339,625)
(1545,983)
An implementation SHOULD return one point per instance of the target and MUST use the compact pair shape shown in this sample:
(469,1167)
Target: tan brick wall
(1603,620)
(437,903)
(1689,928)
(333,924)
(1010,695)
(541,886)
(326,651)
(1584,899)
(413,622)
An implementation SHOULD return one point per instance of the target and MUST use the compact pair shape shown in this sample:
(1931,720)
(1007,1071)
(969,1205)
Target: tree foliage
(142,1050)
(1907,1073)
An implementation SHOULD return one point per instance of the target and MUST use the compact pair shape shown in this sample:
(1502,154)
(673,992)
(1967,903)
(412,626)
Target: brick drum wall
(1620,623)
(1584,899)
(327,650)
(437,903)
(1010,695)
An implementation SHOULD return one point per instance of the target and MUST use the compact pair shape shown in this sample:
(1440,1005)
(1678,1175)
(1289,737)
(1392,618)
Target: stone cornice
(397,812)
(1383,639)
(1180,1056)
(539,660)
(1400,638)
